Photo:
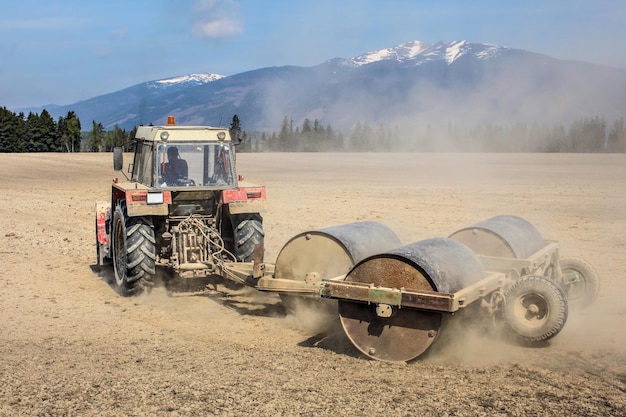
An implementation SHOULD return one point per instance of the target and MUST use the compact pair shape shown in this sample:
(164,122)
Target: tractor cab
(188,164)
(184,156)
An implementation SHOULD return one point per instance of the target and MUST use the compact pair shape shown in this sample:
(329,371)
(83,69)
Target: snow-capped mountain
(417,53)
(191,79)
(413,82)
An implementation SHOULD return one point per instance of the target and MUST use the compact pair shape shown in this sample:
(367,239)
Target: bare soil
(70,346)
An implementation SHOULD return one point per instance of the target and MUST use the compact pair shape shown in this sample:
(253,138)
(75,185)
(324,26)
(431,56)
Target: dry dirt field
(70,346)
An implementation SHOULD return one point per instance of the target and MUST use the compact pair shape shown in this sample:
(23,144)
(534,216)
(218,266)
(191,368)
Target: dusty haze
(71,346)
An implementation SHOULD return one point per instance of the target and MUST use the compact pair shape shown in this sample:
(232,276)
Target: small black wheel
(535,309)
(580,282)
(134,255)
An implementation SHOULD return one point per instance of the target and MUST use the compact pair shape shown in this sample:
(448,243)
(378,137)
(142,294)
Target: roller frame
(535,264)
(407,298)
(361,292)
(499,272)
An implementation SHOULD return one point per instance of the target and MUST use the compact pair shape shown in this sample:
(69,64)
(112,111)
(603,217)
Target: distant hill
(411,83)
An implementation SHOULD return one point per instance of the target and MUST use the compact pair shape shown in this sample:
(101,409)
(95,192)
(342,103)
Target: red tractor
(183,207)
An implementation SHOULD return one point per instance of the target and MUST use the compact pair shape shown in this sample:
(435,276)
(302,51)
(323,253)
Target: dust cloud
(312,316)
(427,111)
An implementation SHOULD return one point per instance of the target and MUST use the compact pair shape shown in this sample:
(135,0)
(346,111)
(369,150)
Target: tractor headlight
(165,135)
(221,135)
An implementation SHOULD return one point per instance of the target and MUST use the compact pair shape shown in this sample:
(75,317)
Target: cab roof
(173,133)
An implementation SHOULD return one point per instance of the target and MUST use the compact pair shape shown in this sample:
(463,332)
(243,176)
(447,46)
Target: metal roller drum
(396,335)
(328,253)
(501,236)
(332,251)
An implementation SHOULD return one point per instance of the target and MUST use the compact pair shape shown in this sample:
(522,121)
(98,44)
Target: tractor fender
(248,199)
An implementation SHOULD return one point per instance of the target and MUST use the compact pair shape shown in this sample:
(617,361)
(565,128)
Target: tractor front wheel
(134,253)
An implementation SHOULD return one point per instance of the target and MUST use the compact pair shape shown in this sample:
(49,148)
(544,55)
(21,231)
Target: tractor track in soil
(70,346)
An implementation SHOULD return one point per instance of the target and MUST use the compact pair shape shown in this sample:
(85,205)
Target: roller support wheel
(383,332)
(535,309)
(580,282)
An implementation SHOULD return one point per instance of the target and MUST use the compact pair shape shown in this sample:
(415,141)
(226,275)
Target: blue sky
(63,51)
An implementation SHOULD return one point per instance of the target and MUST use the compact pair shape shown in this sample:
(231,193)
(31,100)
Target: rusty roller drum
(402,334)
(330,252)
(502,236)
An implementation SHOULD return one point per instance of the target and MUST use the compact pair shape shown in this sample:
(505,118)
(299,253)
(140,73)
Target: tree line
(41,133)
(587,134)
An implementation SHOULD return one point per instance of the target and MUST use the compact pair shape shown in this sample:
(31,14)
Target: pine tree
(285,135)
(68,130)
(617,137)
(95,138)
(235,129)
(49,135)
(11,131)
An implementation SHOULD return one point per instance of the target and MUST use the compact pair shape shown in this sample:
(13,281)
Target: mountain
(413,83)
(185,80)
(416,53)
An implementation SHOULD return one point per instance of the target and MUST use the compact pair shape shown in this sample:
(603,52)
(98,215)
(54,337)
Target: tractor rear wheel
(535,309)
(134,254)
(248,233)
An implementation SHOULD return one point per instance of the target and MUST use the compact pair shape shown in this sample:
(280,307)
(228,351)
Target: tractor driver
(175,168)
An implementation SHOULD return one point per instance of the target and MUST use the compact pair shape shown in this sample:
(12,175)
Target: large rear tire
(248,233)
(535,309)
(241,233)
(133,251)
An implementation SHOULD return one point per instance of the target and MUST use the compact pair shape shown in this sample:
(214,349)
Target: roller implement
(199,219)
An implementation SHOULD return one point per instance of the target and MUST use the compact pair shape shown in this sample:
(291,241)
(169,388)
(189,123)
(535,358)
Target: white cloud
(217,29)
(119,33)
(216,19)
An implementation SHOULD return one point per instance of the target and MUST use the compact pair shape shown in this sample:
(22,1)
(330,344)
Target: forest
(41,133)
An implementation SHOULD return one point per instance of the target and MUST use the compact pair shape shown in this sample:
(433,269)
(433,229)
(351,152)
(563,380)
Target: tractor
(184,207)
